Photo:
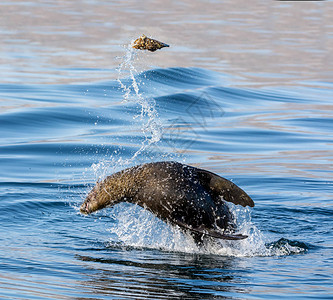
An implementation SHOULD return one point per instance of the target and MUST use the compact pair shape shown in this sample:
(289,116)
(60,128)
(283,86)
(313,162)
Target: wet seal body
(192,198)
(146,43)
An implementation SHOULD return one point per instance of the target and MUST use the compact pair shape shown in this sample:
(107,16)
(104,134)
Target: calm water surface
(245,91)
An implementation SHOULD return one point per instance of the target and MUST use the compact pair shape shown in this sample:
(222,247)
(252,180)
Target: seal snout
(84,209)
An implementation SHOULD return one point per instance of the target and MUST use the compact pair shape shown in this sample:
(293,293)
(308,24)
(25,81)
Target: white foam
(151,123)
(137,227)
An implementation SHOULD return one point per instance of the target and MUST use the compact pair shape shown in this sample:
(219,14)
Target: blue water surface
(57,140)
(244,90)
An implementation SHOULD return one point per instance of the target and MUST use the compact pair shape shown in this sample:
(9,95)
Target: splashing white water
(137,227)
(151,124)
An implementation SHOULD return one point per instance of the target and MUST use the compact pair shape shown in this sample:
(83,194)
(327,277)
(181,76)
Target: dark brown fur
(183,195)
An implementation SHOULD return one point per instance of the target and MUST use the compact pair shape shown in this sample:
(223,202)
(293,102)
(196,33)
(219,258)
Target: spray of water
(151,124)
(137,227)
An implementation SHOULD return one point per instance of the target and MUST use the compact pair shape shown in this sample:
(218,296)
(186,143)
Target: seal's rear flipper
(220,186)
(211,232)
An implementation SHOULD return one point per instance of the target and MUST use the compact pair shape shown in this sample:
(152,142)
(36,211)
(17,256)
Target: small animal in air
(146,43)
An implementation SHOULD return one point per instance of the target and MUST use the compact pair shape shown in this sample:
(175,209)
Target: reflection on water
(161,276)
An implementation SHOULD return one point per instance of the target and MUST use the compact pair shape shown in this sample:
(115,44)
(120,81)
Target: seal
(192,198)
(146,43)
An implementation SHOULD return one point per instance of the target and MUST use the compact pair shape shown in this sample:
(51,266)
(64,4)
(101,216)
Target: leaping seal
(146,43)
(192,198)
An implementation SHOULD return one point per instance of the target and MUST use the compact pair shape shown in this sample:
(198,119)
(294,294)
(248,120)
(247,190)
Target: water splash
(137,227)
(256,244)
(151,124)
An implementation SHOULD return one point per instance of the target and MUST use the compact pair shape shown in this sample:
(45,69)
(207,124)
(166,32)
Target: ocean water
(244,91)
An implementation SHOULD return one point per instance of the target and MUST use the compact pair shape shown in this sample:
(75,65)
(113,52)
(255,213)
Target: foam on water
(137,227)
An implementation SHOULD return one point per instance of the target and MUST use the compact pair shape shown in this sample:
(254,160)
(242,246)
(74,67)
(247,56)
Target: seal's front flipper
(210,232)
(219,235)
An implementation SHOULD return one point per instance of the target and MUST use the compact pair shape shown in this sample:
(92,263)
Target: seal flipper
(220,186)
(210,232)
